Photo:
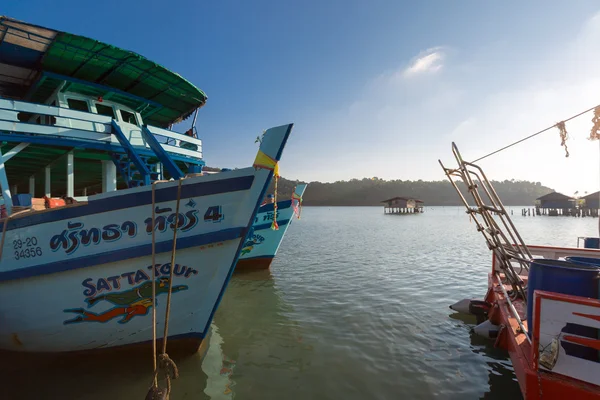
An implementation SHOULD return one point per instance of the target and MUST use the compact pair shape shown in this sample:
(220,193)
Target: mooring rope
(155,382)
(172,269)
(164,361)
(557,125)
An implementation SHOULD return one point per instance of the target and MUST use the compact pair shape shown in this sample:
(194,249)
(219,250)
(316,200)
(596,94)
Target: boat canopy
(35,62)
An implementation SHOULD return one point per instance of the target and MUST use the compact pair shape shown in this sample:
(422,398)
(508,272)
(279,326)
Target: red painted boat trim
(593,343)
(594,317)
(534,385)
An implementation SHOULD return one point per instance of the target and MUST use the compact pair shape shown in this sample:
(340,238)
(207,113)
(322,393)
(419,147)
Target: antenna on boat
(501,235)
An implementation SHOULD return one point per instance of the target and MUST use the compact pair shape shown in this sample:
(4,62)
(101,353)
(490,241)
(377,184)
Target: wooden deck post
(48,177)
(6,195)
(70,175)
(109,176)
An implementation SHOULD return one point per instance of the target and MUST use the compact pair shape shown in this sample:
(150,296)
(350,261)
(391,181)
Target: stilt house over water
(402,205)
(589,205)
(555,203)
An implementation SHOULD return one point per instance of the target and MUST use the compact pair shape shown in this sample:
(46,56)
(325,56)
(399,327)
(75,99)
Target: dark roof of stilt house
(554,196)
(593,196)
(555,200)
(592,200)
(402,198)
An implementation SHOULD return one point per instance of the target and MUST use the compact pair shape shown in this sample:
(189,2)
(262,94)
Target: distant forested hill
(370,192)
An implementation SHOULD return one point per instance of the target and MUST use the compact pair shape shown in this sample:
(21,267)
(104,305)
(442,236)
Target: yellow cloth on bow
(264,161)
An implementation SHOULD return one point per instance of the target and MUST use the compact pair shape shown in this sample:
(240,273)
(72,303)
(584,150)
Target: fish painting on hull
(253,240)
(128,303)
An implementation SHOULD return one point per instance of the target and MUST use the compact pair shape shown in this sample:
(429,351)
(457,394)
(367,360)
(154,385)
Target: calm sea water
(355,307)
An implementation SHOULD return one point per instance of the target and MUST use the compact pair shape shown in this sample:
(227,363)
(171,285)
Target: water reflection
(258,332)
(101,377)
(356,307)
(501,378)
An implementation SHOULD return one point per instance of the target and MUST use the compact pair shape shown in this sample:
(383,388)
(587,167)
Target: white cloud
(429,61)
(400,126)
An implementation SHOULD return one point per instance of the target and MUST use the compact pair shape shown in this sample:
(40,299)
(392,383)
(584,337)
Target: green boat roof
(35,61)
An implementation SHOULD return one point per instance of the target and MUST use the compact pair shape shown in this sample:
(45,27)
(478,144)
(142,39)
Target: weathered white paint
(86,125)
(70,174)
(159,170)
(47,181)
(555,253)
(109,176)
(5,188)
(554,316)
(65,292)
(14,151)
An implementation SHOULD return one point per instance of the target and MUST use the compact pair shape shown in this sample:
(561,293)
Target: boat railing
(554,253)
(51,122)
(178,142)
(565,336)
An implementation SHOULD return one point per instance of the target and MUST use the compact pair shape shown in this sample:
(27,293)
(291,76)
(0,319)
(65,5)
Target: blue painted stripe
(281,205)
(262,227)
(122,254)
(250,222)
(128,200)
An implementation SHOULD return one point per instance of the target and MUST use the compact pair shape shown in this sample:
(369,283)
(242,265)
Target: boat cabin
(80,117)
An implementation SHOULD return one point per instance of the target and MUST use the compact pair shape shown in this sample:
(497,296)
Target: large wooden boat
(94,182)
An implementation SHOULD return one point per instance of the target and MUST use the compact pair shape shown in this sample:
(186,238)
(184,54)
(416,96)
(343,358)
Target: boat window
(105,110)
(128,117)
(79,105)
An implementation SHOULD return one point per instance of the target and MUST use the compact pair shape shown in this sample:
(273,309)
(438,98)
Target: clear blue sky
(375,88)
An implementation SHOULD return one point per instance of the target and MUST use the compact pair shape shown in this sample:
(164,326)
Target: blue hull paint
(263,242)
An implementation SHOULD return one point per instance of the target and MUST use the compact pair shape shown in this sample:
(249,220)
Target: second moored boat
(270,225)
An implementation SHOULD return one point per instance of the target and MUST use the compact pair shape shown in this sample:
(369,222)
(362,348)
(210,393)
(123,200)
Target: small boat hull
(263,242)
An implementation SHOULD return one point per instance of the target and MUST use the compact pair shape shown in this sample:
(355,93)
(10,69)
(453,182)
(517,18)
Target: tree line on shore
(372,191)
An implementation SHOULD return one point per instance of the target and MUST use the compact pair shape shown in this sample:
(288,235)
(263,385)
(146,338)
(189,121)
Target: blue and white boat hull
(263,242)
(79,278)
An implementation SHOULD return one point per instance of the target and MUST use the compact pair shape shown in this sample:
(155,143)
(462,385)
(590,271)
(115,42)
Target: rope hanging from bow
(263,161)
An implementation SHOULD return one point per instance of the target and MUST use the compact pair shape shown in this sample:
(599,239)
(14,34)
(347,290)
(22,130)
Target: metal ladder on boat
(500,234)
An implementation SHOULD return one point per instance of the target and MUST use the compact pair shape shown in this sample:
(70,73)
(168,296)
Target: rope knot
(168,365)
